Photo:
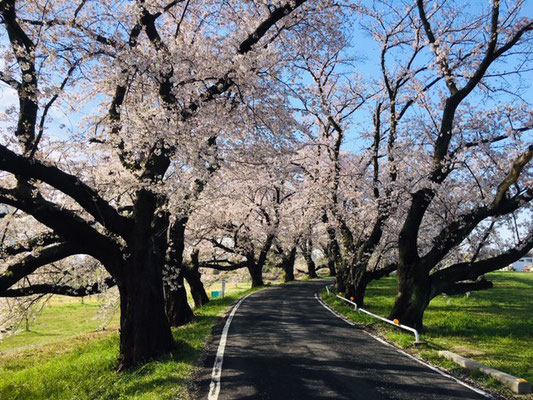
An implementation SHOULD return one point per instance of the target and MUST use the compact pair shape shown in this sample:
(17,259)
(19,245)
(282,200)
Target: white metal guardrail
(388,321)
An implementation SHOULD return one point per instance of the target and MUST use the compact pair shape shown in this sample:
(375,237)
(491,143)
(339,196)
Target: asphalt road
(283,344)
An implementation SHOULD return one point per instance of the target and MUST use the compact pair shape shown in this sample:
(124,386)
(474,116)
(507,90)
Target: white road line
(214,386)
(478,391)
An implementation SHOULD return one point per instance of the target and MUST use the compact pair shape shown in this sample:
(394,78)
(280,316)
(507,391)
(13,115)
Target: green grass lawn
(72,361)
(494,327)
(61,319)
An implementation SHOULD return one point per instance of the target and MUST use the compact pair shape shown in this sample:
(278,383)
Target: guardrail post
(394,323)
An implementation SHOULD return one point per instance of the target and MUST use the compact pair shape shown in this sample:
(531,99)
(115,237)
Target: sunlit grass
(83,366)
(61,319)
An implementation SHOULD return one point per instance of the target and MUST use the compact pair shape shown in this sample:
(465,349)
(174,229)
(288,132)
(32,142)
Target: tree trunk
(311,266)
(144,328)
(177,308)
(414,295)
(347,287)
(360,288)
(288,273)
(192,275)
(288,265)
(311,269)
(331,267)
(332,251)
(256,273)
(356,275)
(341,278)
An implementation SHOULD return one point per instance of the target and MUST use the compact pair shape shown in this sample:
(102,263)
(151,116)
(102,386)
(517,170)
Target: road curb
(517,385)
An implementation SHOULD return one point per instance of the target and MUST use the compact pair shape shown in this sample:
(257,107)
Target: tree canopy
(147,140)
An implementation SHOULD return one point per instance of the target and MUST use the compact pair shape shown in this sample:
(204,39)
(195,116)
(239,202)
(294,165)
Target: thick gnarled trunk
(198,292)
(359,288)
(193,277)
(311,266)
(341,278)
(311,269)
(332,252)
(412,299)
(287,263)
(306,247)
(256,274)
(331,267)
(363,280)
(177,308)
(255,268)
(144,328)
(256,271)
(288,273)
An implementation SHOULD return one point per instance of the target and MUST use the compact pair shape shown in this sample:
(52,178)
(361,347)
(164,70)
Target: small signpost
(219,293)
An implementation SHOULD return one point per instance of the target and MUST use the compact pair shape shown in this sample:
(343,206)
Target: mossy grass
(493,327)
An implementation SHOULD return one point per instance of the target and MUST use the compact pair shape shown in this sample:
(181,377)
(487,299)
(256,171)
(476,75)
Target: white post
(395,322)
(223,287)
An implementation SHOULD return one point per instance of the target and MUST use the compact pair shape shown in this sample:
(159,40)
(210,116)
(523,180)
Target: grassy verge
(493,327)
(62,318)
(83,366)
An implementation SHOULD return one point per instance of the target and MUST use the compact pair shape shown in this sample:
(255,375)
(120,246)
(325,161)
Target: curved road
(283,344)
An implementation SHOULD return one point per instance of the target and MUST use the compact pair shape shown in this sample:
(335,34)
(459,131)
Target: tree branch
(463,287)
(276,15)
(9,81)
(443,62)
(45,239)
(70,185)
(15,272)
(24,50)
(65,223)
(518,165)
(470,271)
(64,290)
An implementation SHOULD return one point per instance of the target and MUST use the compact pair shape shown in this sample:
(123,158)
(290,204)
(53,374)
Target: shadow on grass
(161,374)
(524,281)
(148,386)
(517,330)
(37,333)
(484,309)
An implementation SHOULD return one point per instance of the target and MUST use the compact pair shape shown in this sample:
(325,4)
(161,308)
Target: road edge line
(214,386)
(431,367)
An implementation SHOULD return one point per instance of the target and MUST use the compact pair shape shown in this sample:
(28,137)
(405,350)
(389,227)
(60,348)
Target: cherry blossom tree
(474,143)
(153,75)
(403,79)
(243,210)
(327,96)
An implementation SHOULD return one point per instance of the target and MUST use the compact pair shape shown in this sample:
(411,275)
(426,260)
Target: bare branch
(15,272)
(71,185)
(64,290)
